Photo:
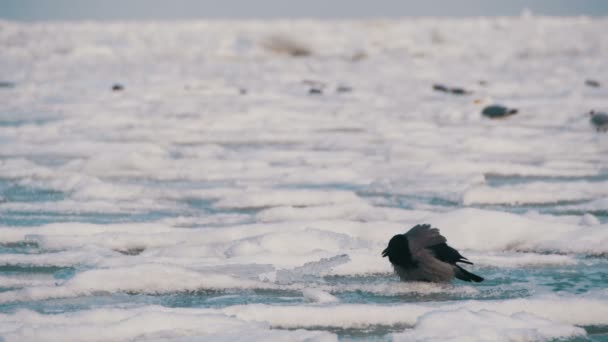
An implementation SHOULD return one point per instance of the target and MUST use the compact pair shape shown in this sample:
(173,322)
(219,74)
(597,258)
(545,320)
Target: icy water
(215,198)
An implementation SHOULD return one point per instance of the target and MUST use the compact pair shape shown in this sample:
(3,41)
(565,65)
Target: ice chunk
(319,296)
(486,325)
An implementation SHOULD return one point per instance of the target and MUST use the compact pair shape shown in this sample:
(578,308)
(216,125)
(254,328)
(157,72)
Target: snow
(149,323)
(485,325)
(214,198)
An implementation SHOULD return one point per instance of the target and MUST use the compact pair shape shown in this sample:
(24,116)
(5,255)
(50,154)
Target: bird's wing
(448,254)
(422,236)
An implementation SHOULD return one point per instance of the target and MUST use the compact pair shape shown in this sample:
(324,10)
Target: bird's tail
(465,275)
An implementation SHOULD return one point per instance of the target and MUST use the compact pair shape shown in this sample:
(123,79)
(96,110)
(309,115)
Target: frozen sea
(215,199)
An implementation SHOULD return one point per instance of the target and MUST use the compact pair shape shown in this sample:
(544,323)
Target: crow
(422,254)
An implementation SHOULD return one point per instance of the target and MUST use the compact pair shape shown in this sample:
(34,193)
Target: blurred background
(190,9)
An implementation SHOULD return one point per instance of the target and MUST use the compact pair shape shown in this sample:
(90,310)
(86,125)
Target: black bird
(498,112)
(422,254)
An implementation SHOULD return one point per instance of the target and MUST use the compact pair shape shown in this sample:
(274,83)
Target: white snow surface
(215,172)
(520,319)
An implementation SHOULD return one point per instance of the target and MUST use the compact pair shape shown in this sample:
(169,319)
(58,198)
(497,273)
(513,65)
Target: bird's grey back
(428,268)
(422,236)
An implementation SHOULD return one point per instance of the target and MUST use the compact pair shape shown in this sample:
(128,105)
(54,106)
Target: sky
(265,9)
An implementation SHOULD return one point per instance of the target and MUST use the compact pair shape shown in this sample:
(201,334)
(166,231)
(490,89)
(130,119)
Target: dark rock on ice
(459,91)
(498,112)
(599,120)
(593,83)
(7,84)
(344,89)
(440,87)
(452,90)
(315,91)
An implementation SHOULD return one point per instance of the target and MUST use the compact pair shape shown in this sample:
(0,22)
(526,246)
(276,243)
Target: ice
(319,296)
(484,325)
(486,230)
(143,278)
(589,220)
(517,260)
(21,281)
(581,311)
(148,323)
(323,266)
(215,198)
(535,193)
(76,257)
(288,246)
(276,198)
(527,319)
(360,211)
(596,205)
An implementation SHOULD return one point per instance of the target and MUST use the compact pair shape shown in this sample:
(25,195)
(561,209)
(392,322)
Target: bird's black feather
(398,252)
(448,254)
(465,275)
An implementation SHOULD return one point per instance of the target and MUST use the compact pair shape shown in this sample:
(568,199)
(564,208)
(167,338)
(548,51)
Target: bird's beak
(385,252)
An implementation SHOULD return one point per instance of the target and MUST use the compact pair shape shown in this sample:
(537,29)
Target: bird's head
(591,113)
(398,251)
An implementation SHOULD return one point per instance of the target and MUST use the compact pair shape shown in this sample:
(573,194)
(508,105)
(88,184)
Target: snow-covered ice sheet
(215,197)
